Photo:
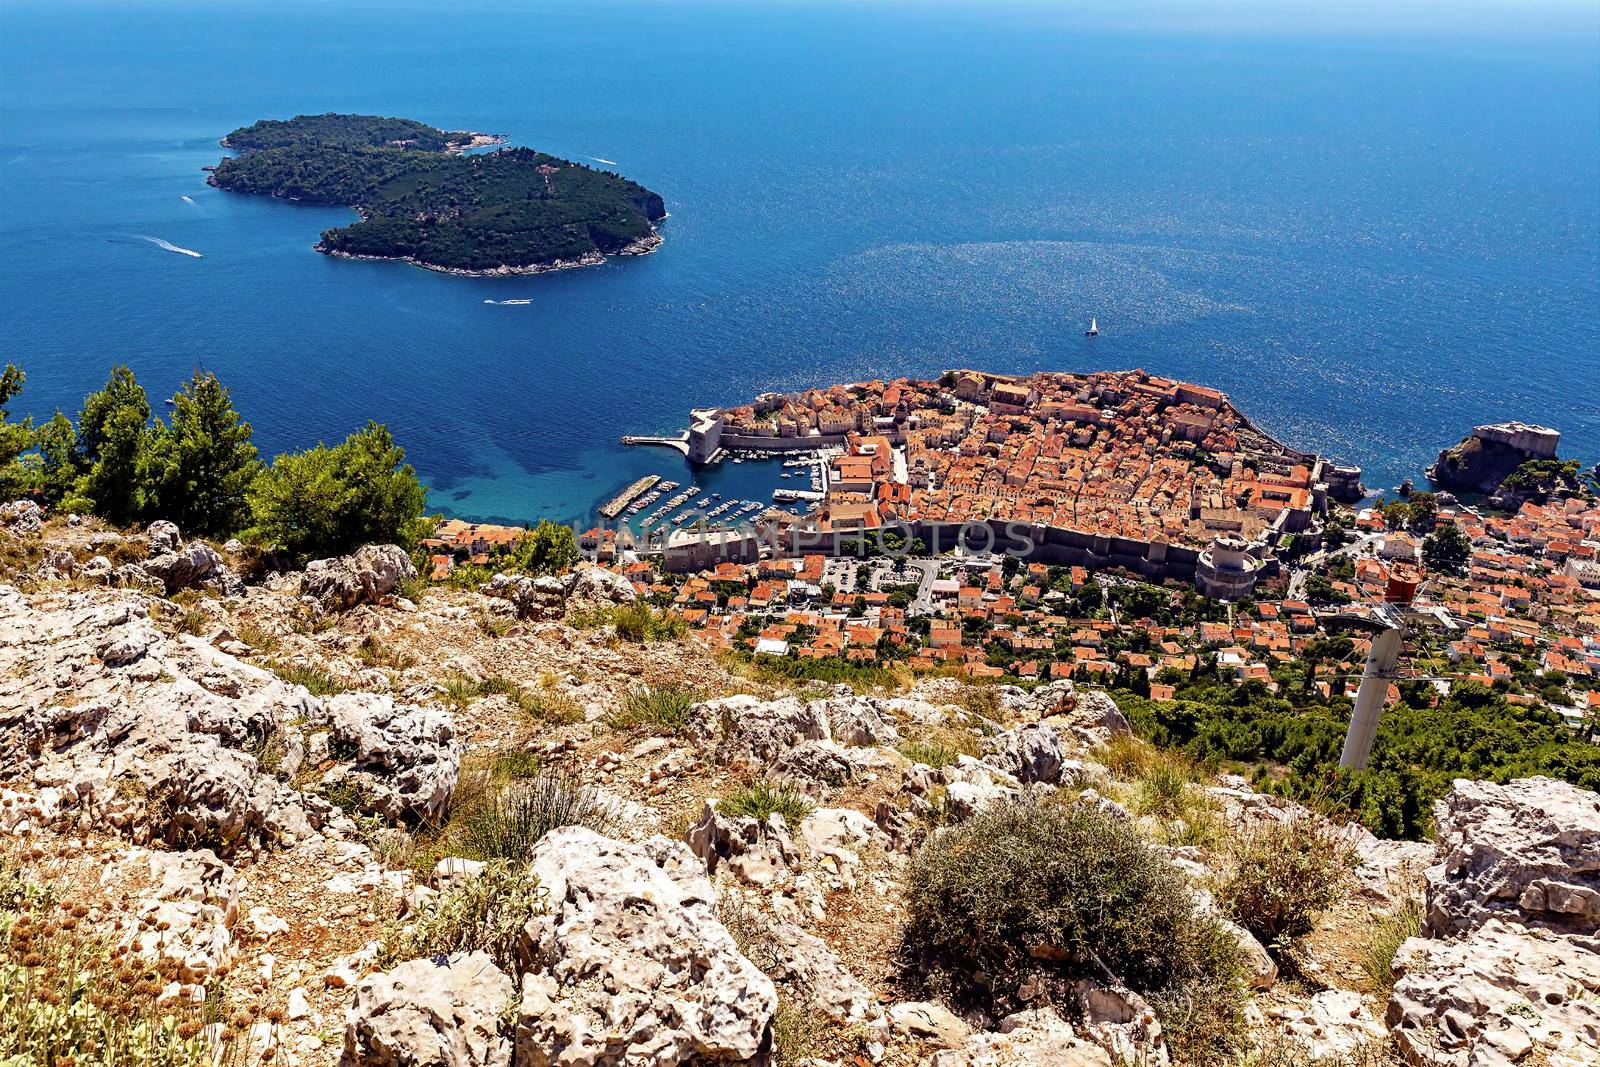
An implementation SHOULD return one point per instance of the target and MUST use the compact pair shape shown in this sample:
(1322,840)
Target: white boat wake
(169,246)
(509,303)
(607,162)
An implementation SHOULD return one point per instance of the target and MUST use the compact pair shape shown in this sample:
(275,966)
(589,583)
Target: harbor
(614,507)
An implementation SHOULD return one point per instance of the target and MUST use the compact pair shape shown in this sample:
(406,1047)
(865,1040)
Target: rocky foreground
(252,786)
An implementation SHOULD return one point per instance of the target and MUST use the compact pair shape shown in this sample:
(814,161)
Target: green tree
(1446,549)
(57,458)
(15,437)
(328,501)
(548,548)
(205,464)
(1424,508)
(114,437)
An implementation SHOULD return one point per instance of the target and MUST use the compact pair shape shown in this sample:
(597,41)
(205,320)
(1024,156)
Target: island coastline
(531,211)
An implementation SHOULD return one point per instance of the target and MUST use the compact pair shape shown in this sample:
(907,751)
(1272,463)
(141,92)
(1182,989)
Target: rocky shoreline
(641,247)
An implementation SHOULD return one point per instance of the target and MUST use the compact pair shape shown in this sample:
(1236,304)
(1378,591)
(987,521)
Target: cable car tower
(1388,619)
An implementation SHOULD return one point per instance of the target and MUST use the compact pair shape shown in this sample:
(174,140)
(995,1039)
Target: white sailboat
(1094,328)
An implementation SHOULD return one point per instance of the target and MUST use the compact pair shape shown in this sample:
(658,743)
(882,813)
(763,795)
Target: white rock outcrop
(405,758)
(747,729)
(1530,848)
(549,596)
(1035,1038)
(21,518)
(439,1012)
(366,576)
(1510,971)
(157,735)
(630,964)
(186,915)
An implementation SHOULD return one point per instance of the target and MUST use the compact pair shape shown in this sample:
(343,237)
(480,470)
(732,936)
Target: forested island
(423,199)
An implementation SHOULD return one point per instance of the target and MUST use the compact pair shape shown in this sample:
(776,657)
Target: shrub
(64,999)
(514,764)
(330,501)
(375,653)
(637,622)
(1284,876)
(551,706)
(1384,940)
(664,710)
(482,914)
(1042,891)
(935,754)
(315,680)
(1163,789)
(507,824)
(761,799)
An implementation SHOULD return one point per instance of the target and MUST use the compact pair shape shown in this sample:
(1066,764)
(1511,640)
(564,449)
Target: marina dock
(613,507)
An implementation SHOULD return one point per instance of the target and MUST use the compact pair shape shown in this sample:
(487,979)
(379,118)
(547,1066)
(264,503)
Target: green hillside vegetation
(198,467)
(350,131)
(1293,739)
(514,208)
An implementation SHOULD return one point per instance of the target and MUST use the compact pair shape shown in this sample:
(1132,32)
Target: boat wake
(607,162)
(508,303)
(169,246)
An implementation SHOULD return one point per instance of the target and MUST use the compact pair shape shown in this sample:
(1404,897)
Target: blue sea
(1374,230)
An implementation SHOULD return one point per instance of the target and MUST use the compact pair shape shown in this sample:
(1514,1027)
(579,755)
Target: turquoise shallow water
(1371,241)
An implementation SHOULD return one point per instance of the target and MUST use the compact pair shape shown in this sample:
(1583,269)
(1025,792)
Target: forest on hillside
(515,208)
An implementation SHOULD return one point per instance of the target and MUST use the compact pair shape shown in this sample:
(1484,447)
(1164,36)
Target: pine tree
(113,437)
(15,437)
(204,463)
(327,501)
(58,466)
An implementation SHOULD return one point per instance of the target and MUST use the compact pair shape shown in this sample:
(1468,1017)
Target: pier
(679,443)
(613,507)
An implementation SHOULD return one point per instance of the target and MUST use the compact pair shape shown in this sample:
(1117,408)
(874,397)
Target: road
(1302,569)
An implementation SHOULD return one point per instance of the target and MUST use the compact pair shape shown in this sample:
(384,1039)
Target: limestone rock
(812,764)
(440,1012)
(186,915)
(1034,1038)
(163,537)
(1333,1023)
(366,576)
(1095,718)
(746,729)
(859,721)
(1259,965)
(404,757)
(1030,753)
(21,517)
(1501,995)
(158,736)
(758,853)
(549,596)
(1121,1022)
(589,585)
(1510,971)
(536,599)
(185,567)
(1530,847)
(803,962)
(639,919)
(929,1022)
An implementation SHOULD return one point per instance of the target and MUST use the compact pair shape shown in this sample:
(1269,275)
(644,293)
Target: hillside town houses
(1151,467)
